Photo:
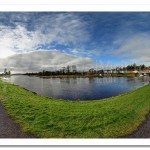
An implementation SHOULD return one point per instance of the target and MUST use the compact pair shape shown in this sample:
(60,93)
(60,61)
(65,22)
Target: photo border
(67,6)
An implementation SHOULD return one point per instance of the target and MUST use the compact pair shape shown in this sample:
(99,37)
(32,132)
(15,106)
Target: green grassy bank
(53,118)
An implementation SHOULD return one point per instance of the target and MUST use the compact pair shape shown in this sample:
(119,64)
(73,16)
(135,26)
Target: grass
(52,118)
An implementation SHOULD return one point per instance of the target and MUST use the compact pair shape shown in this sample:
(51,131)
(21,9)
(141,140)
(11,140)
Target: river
(79,88)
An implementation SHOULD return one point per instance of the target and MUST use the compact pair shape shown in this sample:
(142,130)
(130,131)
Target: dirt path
(143,131)
(8,128)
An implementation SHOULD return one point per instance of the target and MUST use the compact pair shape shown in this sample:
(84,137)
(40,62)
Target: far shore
(89,75)
(81,75)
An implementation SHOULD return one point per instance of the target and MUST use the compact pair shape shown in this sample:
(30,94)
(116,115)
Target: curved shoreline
(44,117)
(70,98)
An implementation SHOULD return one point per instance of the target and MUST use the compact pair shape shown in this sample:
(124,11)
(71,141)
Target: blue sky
(115,38)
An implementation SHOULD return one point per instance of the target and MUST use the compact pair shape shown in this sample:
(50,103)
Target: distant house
(107,71)
(146,71)
(122,71)
(114,71)
(135,71)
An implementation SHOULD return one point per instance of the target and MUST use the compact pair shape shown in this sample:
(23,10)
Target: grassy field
(53,118)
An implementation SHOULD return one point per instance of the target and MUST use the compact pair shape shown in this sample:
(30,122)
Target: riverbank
(71,76)
(89,75)
(52,118)
(79,75)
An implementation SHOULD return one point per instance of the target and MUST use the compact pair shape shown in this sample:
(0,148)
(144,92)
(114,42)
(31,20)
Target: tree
(134,66)
(9,72)
(143,67)
(91,70)
(68,69)
(5,71)
(74,69)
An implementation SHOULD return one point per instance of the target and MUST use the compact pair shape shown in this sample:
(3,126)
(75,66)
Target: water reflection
(79,88)
(68,80)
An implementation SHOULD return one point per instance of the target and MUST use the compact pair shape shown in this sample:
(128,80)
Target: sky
(36,41)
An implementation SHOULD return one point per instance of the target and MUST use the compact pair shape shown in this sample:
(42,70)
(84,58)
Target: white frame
(77,6)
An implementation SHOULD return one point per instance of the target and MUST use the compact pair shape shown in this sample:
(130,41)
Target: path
(8,128)
(143,131)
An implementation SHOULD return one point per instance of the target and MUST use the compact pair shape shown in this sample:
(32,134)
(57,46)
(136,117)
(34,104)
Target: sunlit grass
(53,118)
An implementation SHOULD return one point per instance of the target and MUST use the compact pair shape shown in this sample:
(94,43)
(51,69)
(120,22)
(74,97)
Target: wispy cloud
(63,28)
(136,48)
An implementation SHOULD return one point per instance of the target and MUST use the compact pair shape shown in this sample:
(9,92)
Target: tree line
(133,67)
(72,70)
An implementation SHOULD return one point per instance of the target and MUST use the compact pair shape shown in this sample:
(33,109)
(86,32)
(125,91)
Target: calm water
(79,88)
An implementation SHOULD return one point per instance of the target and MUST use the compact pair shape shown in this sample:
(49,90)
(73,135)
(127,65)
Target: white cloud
(64,28)
(16,39)
(135,48)
(5,52)
(43,60)
(20,46)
